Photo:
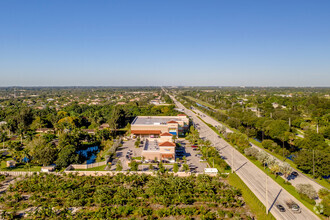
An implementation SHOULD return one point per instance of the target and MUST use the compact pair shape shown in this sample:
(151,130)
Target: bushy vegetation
(290,122)
(74,119)
(123,196)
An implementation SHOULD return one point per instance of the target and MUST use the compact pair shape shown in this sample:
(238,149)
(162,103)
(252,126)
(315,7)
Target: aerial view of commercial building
(157,133)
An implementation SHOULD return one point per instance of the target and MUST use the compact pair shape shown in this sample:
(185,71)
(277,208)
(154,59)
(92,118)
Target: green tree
(175,168)
(186,167)
(67,156)
(134,165)
(3,137)
(46,154)
(119,166)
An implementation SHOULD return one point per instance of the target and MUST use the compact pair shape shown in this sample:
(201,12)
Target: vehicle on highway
(281,208)
(294,207)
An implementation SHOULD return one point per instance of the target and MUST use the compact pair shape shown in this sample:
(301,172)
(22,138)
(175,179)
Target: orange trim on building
(167,144)
(167,155)
(172,122)
(166,134)
(146,132)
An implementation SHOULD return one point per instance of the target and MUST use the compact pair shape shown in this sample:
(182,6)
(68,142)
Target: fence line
(98,173)
(96,164)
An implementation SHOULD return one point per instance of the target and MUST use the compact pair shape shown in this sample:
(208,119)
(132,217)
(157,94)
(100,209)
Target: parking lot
(128,150)
(122,152)
(193,160)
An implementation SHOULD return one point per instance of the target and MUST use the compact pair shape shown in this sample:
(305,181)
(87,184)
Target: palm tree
(274,168)
(20,132)
(286,170)
(3,137)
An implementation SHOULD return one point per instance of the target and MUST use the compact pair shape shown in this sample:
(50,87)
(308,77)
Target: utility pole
(266,195)
(317,128)
(232,160)
(313,165)
(290,122)
(271,115)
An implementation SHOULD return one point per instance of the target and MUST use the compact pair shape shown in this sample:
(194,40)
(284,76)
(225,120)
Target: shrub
(251,151)
(307,199)
(323,193)
(307,189)
(262,156)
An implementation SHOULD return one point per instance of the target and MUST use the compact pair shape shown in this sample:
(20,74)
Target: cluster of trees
(69,124)
(209,152)
(123,196)
(20,119)
(277,135)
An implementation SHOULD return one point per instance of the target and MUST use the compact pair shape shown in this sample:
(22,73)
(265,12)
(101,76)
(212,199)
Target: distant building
(89,131)
(2,123)
(45,130)
(121,103)
(47,169)
(104,125)
(11,163)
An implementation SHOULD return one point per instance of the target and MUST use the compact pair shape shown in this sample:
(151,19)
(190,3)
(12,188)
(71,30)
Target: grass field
(100,168)
(19,167)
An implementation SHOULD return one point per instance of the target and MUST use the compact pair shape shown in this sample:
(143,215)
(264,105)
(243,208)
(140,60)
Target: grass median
(256,206)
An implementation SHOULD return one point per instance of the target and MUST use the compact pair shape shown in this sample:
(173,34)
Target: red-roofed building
(166,134)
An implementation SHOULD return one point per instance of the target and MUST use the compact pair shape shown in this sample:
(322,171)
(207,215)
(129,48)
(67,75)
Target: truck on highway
(294,207)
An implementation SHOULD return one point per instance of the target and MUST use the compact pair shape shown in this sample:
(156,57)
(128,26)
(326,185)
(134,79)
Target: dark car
(281,208)
(294,173)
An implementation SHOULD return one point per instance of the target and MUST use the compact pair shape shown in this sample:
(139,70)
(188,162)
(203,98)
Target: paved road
(301,178)
(252,176)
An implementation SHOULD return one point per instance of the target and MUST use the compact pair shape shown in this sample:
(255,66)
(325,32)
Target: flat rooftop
(151,120)
(151,146)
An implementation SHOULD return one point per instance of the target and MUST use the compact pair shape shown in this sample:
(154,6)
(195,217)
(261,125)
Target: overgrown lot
(123,196)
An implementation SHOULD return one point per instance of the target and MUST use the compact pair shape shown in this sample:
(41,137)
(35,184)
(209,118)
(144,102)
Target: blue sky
(179,42)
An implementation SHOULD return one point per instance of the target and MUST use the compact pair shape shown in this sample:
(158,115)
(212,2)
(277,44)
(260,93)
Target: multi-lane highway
(301,178)
(252,176)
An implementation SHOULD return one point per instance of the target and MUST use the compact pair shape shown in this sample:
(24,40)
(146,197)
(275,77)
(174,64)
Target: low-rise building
(154,126)
(45,130)
(153,150)
(158,133)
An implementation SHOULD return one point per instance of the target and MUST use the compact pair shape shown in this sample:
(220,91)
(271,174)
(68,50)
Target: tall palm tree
(3,137)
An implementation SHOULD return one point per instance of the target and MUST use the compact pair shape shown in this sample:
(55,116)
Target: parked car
(281,208)
(294,173)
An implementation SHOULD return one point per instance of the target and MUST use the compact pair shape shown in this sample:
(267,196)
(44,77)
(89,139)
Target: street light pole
(266,195)
(313,165)
(232,161)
